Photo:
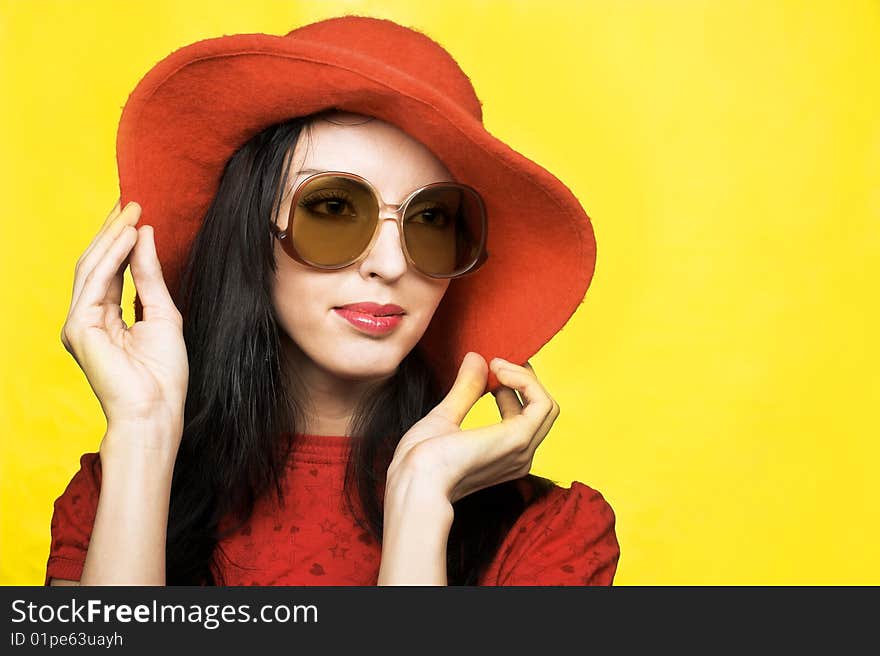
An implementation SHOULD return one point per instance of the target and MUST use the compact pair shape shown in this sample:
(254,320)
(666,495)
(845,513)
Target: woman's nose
(386,258)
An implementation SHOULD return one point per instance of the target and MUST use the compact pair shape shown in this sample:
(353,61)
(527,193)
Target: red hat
(195,108)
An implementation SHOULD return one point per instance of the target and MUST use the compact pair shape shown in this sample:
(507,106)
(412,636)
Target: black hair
(241,397)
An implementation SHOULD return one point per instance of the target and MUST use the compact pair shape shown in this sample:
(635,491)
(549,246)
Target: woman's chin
(365,361)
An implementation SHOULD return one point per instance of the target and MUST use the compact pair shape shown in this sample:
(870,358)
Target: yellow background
(720,383)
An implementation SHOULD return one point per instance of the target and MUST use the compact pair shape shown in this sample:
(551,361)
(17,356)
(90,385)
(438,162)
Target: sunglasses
(335,218)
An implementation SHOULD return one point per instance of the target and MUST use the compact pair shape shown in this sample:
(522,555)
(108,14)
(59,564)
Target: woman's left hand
(453,462)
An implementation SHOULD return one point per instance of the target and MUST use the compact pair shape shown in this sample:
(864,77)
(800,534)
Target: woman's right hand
(139,373)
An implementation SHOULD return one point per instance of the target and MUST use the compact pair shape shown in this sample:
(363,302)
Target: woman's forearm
(415,533)
(127,544)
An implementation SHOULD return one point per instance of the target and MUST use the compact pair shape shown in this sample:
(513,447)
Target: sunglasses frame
(399,212)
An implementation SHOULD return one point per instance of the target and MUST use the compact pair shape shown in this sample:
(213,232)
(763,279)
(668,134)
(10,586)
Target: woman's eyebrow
(289,188)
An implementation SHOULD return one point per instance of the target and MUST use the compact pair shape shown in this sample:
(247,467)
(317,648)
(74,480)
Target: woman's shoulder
(564,536)
(551,505)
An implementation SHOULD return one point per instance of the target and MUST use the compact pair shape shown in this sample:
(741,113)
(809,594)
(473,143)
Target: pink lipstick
(371,318)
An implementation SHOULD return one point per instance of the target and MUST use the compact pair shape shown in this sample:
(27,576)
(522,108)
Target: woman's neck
(329,401)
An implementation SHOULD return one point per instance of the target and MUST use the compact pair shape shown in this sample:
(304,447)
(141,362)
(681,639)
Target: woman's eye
(431,217)
(333,207)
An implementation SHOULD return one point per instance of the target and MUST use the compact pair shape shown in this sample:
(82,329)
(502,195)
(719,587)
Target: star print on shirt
(338,551)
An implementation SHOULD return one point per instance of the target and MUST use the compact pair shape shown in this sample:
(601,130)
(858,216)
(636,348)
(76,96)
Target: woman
(297,420)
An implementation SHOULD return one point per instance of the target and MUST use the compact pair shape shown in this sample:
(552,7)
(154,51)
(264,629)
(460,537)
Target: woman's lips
(366,321)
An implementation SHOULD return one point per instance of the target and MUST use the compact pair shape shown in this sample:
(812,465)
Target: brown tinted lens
(333,219)
(443,229)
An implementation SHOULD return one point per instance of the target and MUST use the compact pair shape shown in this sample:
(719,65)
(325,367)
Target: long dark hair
(239,400)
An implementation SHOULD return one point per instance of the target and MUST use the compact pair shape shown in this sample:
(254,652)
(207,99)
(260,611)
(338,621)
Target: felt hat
(190,113)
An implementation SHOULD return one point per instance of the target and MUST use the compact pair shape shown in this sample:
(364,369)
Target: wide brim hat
(190,113)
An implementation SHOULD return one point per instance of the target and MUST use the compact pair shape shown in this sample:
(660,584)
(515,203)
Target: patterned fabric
(565,538)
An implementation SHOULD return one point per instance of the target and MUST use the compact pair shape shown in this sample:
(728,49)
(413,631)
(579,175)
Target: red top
(564,538)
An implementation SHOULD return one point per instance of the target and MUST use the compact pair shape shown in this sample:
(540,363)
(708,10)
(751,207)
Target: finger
(547,424)
(114,289)
(525,368)
(508,402)
(537,404)
(96,283)
(111,218)
(114,292)
(146,272)
(106,237)
(528,367)
(467,389)
(545,427)
(117,208)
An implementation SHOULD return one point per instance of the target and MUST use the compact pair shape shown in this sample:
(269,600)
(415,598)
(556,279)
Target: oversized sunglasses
(335,218)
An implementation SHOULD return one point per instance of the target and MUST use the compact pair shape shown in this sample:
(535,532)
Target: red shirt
(564,538)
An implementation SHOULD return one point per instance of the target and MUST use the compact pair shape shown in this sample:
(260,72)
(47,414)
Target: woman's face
(306,299)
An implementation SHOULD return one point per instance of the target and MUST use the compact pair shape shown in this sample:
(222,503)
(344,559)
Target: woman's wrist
(408,490)
(141,443)
(414,501)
